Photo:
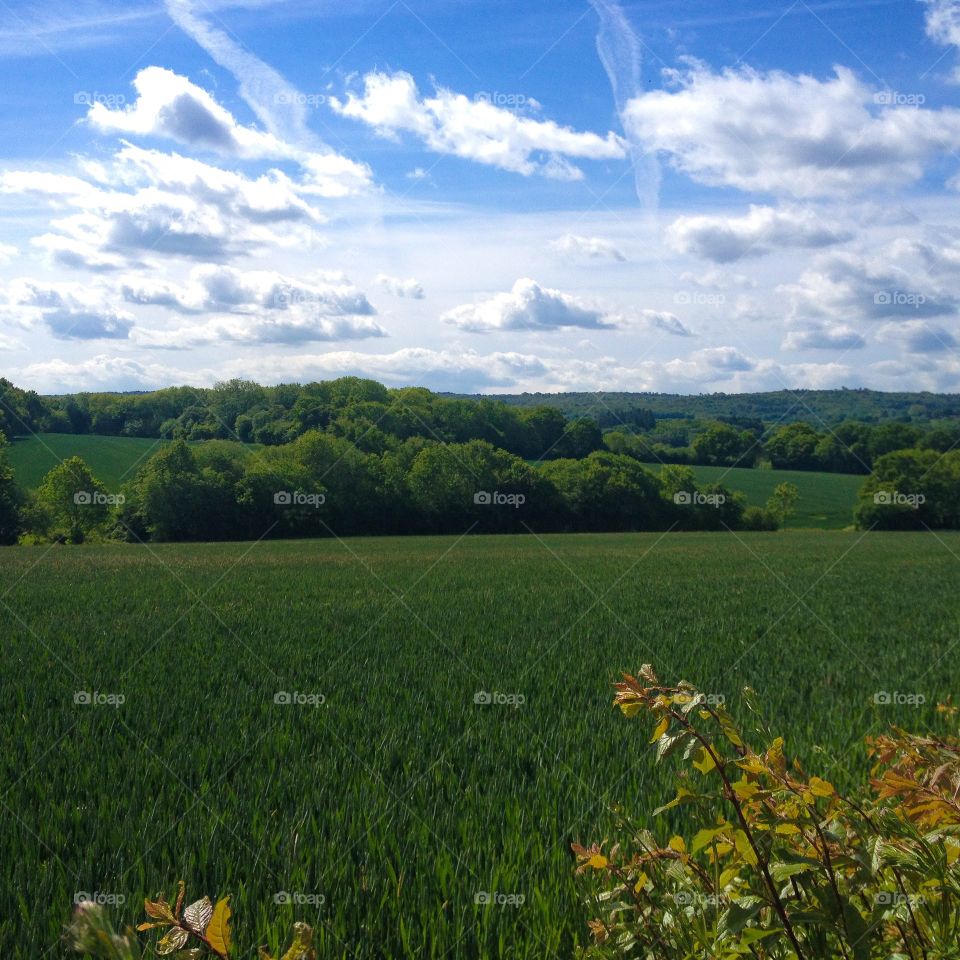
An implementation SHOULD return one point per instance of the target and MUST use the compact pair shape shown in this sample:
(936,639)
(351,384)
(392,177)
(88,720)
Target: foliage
(189,932)
(11,516)
(912,490)
(776,862)
(71,503)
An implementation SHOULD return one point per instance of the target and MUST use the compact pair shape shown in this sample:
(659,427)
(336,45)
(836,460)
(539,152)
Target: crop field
(397,739)
(113,460)
(826,499)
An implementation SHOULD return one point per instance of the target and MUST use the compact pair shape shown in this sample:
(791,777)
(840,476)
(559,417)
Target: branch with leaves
(778,864)
(200,929)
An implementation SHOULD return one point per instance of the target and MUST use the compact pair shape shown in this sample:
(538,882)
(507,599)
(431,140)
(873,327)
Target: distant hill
(784,406)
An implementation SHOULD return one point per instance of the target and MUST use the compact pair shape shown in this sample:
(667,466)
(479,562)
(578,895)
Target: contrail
(619,51)
(276,103)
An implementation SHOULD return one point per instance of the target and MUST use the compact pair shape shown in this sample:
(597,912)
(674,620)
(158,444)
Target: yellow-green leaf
(677,845)
(742,843)
(218,930)
(598,861)
(642,881)
(786,829)
(821,788)
(705,764)
(660,729)
(302,946)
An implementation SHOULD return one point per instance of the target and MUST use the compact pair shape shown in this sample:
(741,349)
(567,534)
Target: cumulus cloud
(477,130)
(170,106)
(399,287)
(842,286)
(762,230)
(528,306)
(943,24)
(822,336)
(789,134)
(70,311)
(575,247)
(919,336)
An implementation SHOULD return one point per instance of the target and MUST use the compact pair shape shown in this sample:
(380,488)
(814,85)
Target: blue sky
(481,196)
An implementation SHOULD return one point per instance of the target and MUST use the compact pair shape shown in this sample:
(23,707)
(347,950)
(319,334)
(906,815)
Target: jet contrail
(619,51)
(275,102)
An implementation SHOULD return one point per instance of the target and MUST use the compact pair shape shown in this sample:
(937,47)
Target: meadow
(826,499)
(383,799)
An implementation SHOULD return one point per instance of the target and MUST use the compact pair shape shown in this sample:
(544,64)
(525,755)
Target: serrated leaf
(159,910)
(198,915)
(302,946)
(173,940)
(218,930)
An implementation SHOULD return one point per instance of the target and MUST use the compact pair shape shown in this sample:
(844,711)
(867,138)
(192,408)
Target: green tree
(723,445)
(783,502)
(11,518)
(74,500)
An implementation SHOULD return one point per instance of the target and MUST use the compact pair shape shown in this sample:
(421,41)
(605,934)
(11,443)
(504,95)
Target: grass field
(113,460)
(826,499)
(400,799)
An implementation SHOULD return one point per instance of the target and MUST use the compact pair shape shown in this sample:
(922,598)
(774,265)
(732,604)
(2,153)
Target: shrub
(188,932)
(778,863)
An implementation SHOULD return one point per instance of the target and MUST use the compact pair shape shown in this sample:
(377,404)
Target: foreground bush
(192,932)
(777,863)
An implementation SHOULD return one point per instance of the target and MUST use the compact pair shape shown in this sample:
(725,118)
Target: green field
(113,460)
(400,799)
(826,499)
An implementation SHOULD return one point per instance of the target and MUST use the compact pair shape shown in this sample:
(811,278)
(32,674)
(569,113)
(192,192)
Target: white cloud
(762,230)
(410,288)
(591,248)
(789,134)
(171,106)
(943,24)
(451,123)
(71,311)
(920,337)
(528,306)
(822,336)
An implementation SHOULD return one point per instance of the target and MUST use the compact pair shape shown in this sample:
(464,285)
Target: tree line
(321,485)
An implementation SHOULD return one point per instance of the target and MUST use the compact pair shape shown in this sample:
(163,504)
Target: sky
(692,196)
